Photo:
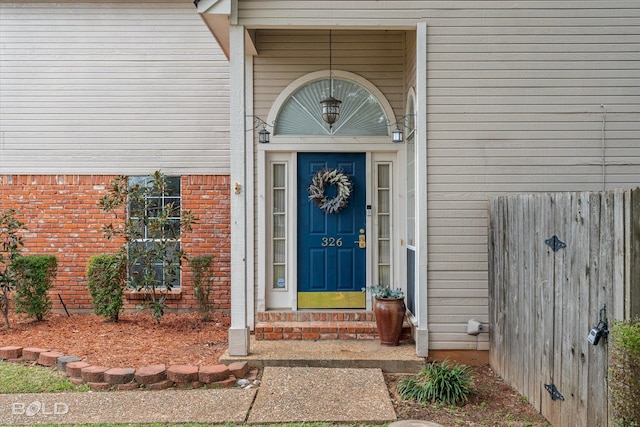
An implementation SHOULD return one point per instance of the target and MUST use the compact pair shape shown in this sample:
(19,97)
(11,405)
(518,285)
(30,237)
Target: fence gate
(557,262)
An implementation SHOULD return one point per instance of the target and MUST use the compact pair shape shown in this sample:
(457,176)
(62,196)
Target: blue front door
(331,245)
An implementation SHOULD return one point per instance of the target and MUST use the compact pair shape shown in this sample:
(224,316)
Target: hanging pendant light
(330,105)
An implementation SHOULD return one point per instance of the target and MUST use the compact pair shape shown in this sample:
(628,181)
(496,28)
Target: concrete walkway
(286,394)
(322,394)
(331,354)
(302,381)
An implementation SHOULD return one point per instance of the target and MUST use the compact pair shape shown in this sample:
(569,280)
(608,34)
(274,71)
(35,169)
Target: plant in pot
(389,311)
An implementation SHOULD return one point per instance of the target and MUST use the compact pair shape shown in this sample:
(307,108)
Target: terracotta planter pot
(389,314)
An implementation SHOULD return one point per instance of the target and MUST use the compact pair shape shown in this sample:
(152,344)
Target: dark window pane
(172,207)
(173,186)
(173,229)
(154,206)
(137,180)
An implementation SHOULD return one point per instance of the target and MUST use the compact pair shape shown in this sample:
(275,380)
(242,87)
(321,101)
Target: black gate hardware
(553,391)
(600,330)
(555,243)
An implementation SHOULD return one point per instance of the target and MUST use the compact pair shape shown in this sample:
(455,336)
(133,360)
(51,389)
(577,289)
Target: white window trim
(162,286)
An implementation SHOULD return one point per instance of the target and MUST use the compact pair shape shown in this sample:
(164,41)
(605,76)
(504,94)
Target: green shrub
(106,279)
(202,279)
(624,366)
(35,274)
(438,382)
(10,247)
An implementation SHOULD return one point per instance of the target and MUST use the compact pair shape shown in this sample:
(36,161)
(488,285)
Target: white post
(422,330)
(239,330)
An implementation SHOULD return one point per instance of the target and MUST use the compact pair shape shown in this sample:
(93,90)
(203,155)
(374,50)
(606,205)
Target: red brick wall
(208,198)
(63,217)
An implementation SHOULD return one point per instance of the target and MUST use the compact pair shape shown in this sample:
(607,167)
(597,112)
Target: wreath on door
(326,178)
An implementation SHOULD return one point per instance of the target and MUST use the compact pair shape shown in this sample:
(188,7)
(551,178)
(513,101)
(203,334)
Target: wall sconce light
(330,105)
(397,135)
(263,135)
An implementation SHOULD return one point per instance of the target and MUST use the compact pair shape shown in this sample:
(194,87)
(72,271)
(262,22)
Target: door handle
(362,241)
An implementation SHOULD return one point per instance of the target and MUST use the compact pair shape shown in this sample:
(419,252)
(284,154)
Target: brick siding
(208,198)
(63,217)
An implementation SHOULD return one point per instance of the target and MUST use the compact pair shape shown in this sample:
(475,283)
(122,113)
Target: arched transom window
(360,112)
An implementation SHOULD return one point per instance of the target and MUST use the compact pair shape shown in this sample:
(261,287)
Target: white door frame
(268,298)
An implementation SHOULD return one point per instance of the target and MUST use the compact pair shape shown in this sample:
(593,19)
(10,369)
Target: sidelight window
(383,217)
(279,225)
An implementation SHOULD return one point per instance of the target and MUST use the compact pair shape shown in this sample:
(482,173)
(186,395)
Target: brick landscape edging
(153,377)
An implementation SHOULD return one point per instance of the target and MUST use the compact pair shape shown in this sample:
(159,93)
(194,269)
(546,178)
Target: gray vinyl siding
(410,62)
(515,104)
(111,87)
(396,14)
(285,55)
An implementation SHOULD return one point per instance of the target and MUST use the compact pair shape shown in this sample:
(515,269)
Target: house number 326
(331,241)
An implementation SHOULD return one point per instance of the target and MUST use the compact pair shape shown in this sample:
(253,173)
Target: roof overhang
(218,16)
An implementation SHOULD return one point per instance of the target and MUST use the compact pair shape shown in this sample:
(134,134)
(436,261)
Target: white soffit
(216,14)
(216,7)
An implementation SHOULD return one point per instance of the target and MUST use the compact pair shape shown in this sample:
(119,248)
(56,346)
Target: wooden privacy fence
(555,261)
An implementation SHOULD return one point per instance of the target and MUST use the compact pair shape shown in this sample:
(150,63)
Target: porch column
(422,330)
(239,330)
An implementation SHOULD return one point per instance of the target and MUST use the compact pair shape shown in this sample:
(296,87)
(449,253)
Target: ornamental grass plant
(438,382)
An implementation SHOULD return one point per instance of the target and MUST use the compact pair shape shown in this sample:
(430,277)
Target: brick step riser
(322,331)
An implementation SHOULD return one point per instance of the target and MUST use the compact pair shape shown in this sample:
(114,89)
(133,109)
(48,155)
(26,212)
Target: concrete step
(331,354)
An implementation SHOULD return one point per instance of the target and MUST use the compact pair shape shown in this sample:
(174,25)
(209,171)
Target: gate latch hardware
(601,330)
(553,391)
(555,243)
